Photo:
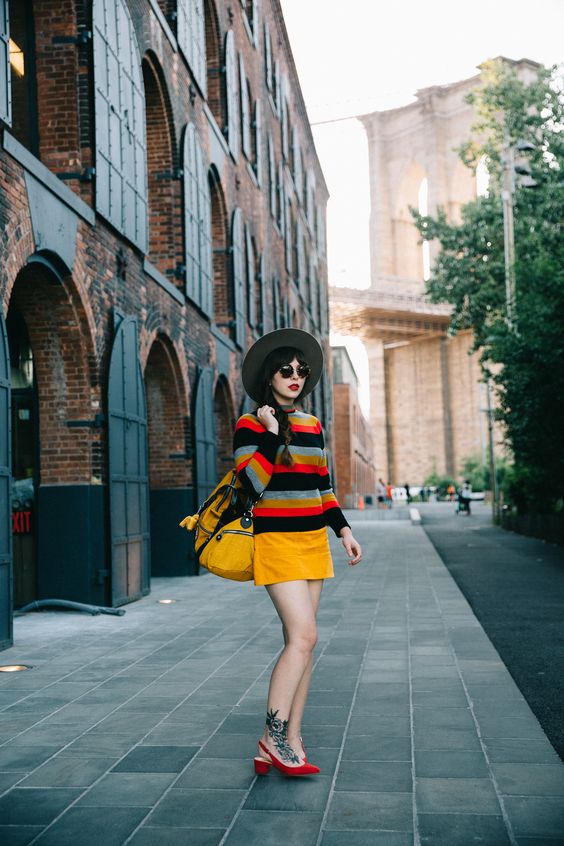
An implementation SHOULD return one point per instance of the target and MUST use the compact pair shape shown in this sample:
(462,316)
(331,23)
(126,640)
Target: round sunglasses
(302,371)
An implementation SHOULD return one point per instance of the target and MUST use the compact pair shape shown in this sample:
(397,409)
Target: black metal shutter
(128,476)
(6,576)
(204,427)
(232,88)
(190,30)
(238,275)
(5,89)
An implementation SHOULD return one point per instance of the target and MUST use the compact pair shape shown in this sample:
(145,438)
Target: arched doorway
(58,493)
(170,463)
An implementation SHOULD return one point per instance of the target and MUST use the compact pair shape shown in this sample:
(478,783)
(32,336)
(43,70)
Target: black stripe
(289,524)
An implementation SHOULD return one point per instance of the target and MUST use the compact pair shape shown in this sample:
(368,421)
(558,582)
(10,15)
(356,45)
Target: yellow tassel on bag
(189,523)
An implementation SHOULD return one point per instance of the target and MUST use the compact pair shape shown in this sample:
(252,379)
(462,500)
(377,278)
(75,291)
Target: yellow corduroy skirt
(288,556)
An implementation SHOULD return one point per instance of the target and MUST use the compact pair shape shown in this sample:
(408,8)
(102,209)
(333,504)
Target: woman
(280,459)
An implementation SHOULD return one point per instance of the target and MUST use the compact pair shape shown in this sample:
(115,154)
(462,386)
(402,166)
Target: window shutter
(281,198)
(204,208)
(285,128)
(238,277)
(288,236)
(255,21)
(271,176)
(277,83)
(320,231)
(267,57)
(121,180)
(191,38)
(191,237)
(5,89)
(231,84)
(276,305)
(258,141)
(301,265)
(251,294)
(264,322)
(245,109)
(297,165)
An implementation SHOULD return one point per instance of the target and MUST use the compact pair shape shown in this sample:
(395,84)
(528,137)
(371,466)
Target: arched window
(215,65)
(423,206)
(271,177)
(121,178)
(232,90)
(277,313)
(276,86)
(238,273)
(482,178)
(245,109)
(197,224)
(191,38)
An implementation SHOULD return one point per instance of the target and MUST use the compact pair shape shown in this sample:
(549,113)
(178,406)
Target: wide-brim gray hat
(252,371)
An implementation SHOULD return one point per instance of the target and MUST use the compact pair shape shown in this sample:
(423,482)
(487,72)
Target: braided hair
(273,362)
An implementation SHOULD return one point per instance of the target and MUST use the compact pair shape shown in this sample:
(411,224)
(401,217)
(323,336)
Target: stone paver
(141,729)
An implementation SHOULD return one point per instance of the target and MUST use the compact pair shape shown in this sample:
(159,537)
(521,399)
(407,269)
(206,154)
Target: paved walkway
(141,729)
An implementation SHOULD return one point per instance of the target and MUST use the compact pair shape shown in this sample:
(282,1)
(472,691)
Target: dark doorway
(25,463)
(6,628)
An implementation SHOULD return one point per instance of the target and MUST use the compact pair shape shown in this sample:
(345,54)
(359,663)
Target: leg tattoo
(278,731)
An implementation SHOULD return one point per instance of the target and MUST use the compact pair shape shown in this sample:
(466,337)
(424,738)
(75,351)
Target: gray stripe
(291,494)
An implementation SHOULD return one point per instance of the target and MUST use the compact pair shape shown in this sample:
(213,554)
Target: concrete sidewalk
(141,729)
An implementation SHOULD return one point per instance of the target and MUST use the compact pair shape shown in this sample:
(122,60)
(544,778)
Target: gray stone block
(375,776)
(34,805)
(275,792)
(229,773)
(93,826)
(156,759)
(127,790)
(189,808)
(350,811)
(462,830)
(271,828)
(456,795)
(68,772)
(450,764)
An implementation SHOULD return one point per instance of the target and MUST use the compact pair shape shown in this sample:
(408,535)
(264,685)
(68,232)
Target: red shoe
(262,765)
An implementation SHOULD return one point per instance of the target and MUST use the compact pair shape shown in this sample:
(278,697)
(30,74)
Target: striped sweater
(298,498)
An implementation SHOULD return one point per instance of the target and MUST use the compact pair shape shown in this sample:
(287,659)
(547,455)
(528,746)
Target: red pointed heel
(303,770)
(262,766)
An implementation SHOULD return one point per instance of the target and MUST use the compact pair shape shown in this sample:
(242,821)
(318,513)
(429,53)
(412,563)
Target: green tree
(526,363)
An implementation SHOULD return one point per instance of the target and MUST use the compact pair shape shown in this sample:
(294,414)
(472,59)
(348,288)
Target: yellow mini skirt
(288,556)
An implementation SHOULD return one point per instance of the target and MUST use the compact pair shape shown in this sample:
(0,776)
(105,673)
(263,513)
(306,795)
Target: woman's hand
(352,546)
(266,416)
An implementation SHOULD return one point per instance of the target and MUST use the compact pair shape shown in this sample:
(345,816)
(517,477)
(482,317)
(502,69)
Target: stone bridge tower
(427,400)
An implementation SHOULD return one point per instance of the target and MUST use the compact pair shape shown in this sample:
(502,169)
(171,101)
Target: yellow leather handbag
(224,541)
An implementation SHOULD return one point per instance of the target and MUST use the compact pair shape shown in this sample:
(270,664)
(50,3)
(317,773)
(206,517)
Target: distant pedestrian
(381,493)
(422,494)
(451,491)
(465,497)
(389,499)
(407,494)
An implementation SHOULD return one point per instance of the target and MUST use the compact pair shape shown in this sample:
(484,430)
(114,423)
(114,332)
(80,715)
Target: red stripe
(296,468)
(245,423)
(330,504)
(323,470)
(312,430)
(287,512)
(264,462)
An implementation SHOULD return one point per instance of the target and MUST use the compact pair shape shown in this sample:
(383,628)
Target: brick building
(354,453)
(161,205)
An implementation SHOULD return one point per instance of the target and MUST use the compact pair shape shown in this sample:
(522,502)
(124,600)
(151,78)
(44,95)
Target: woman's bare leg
(294,605)
(300,698)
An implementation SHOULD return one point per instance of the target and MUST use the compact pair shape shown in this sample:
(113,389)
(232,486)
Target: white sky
(363,55)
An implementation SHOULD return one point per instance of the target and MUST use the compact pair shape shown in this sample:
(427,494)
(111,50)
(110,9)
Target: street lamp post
(507,192)
(510,168)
